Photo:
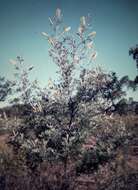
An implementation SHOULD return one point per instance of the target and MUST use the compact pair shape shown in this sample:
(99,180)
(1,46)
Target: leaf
(20,59)
(83,21)
(80,30)
(94,55)
(45,34)
(50,20)
(92,34)
(89,45)
(30,68)
(51,41)
(58,13)
(66,29)
(12,61)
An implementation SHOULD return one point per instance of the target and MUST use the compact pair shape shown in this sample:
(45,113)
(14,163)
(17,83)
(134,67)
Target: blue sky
(22,21)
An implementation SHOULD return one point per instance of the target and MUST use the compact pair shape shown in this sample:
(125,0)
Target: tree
(73,108)
(5,88)
(134,52)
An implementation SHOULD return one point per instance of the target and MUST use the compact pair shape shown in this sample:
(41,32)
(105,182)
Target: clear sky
(22,21)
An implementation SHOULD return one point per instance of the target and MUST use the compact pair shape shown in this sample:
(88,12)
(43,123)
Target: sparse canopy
(74,107)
